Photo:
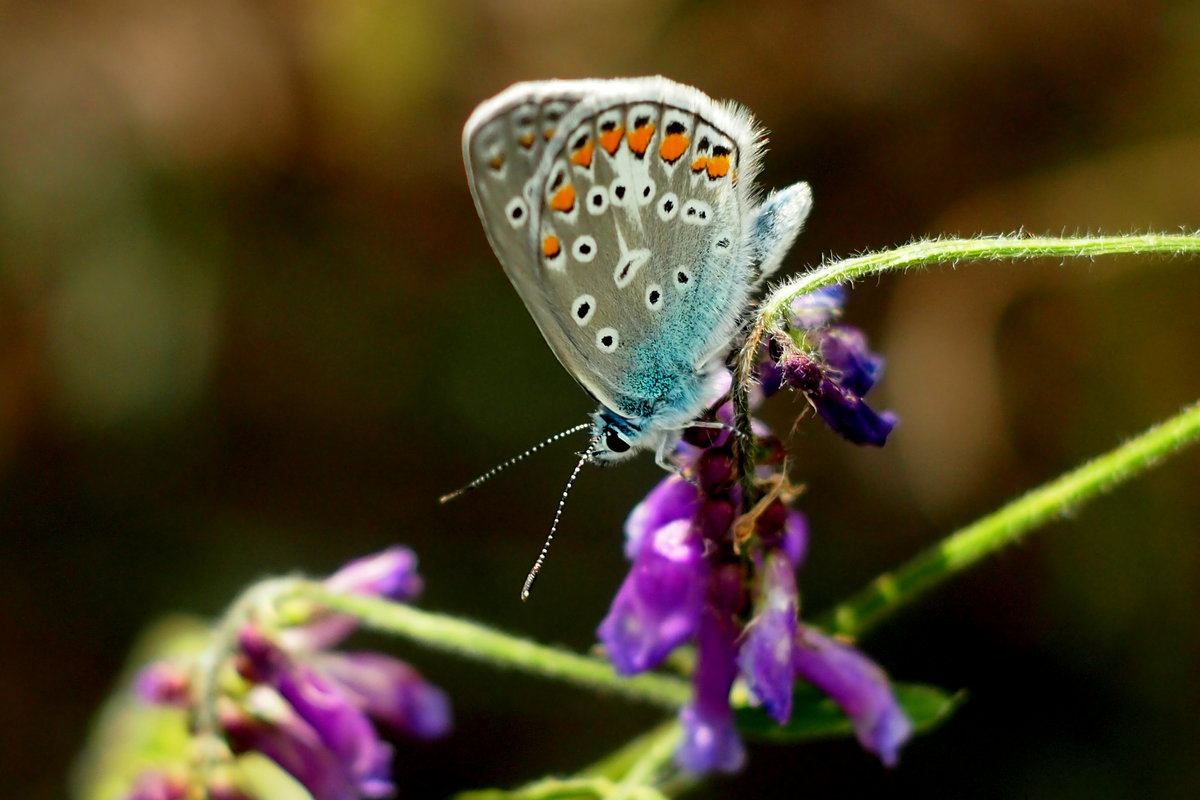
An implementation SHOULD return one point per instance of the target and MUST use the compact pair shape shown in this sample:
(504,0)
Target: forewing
(640,211)
(503,145)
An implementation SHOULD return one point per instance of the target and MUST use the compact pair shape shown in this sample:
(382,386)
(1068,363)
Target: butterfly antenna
(562,501)
(446,498)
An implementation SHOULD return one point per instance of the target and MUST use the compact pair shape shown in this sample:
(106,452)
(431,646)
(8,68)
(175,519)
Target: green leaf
(555,789)
(815,716)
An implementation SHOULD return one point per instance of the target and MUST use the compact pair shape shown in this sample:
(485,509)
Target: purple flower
(767,656)
(703,574)
(817,308)
(265,723)
(859,687)
(658,606)
(391,573)
(834,377)
(710,738)
(325,712)
(390,691)
(310,709)
(165,683)
(672,499)
(158,785)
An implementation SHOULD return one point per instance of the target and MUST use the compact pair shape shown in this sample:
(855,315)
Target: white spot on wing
(607,339)
(668,207)
(597,200)
(628,265)
(645,192)
(583,309)
(696,212)
(654,297)
(516,212)
(621,191)
(584,249)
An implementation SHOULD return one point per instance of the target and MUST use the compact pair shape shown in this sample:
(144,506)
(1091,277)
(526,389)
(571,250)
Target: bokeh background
(249,324)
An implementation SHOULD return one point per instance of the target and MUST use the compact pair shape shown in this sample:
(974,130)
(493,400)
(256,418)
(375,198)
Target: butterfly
(624,213)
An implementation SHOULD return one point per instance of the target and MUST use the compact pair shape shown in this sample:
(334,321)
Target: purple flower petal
(766,658)
(844,350)
(859,687)
(390,691)
(672,499)
(270,726)
(158,785)
(164,683)
(850,417)
(658,605)
(817,308)
(770,377)
(710,738)
(795,538)
(329,710)
(835,381)
(391,574)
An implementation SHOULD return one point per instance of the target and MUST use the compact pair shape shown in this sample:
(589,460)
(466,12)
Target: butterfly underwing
(624,213)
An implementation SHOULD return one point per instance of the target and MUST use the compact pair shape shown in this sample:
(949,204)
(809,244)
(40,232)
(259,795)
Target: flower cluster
(831,365)
(706,574)
(282,692)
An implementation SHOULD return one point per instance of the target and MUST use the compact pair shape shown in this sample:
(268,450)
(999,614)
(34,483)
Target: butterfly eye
(614,442)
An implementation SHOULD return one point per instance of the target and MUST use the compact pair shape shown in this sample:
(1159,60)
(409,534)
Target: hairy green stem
(987,248)
(487,644)
(773,309)
(972,544)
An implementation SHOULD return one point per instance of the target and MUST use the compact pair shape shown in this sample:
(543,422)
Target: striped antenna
(446,498)
(562,501)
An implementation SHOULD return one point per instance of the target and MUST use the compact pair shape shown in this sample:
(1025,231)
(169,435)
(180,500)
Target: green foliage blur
(249,324)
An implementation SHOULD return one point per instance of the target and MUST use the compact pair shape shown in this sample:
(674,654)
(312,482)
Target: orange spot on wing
(496,161)
(673,147)
(551,246)
(611,140)
(548,134)
(718,166)
(583,156)
(526,141)
(699,164)
(639,140)
(563,200)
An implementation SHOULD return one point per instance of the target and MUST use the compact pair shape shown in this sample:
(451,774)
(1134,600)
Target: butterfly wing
(503,144)
(634,260)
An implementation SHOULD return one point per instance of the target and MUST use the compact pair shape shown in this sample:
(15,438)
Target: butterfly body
(624,214)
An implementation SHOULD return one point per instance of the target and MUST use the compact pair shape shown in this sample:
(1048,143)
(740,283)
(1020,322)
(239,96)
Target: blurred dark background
(249,323)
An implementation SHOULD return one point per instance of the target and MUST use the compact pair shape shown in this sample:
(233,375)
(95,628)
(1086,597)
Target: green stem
(972,544)
(487,644)
(920,254)
(989,248)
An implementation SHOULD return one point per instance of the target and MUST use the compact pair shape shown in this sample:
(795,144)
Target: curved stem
(487,644)
(919,254)
(972,544)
